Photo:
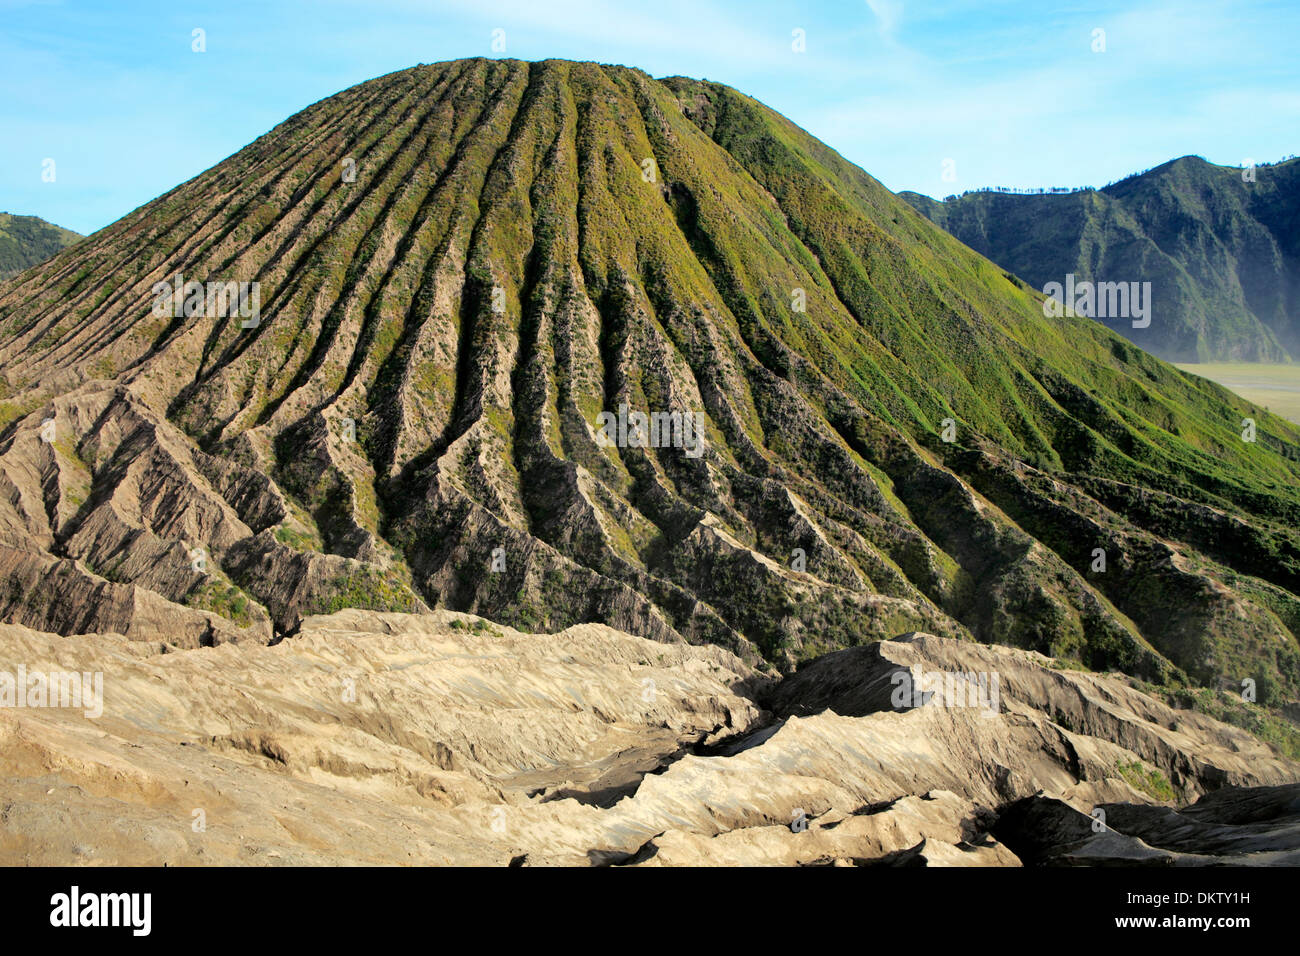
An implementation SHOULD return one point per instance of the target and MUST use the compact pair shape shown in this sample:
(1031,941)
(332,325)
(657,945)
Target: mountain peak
(559,343)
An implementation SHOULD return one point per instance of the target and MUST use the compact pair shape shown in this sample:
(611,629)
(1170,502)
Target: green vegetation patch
(1147,779)
(366,588)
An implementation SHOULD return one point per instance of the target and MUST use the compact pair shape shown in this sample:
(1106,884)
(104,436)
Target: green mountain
(465,271)
(1222,254)
(28,240)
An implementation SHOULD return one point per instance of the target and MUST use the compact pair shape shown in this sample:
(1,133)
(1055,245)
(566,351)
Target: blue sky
(1012,92)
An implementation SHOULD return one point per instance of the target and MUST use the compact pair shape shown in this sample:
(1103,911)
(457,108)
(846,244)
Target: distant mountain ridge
(1222,253)
(26,241)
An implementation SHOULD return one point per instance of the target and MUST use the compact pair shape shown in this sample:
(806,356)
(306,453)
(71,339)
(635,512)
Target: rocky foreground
(387,738)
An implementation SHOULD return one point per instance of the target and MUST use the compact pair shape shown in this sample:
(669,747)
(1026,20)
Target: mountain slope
(28,240)
(1222,254)
(412,419)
